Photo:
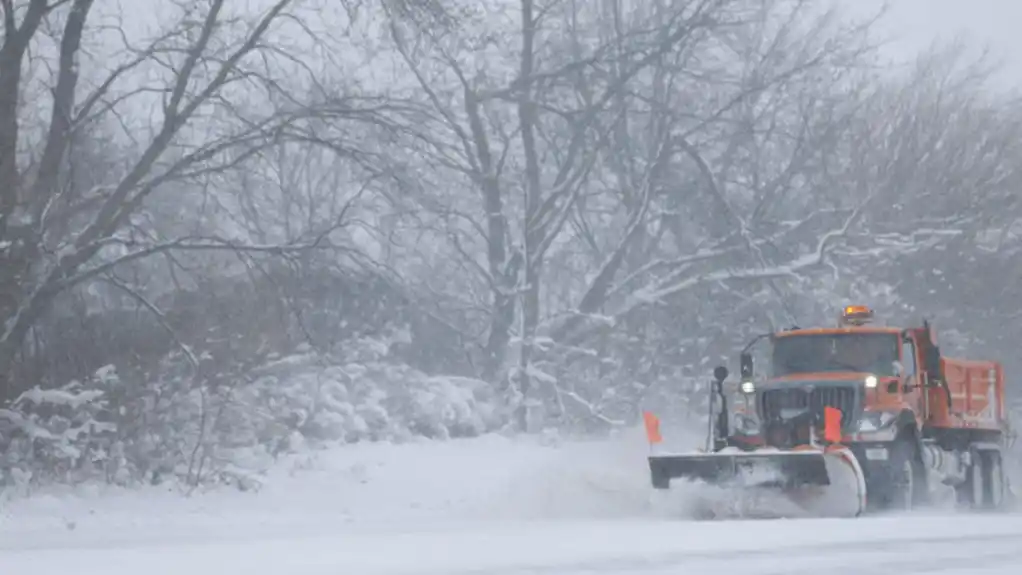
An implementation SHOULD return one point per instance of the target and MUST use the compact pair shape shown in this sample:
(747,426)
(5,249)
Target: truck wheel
(970,493)
(976,484)
(902,479)
(993,480)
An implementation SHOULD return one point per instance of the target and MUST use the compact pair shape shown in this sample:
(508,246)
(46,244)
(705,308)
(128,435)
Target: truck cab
(871,374)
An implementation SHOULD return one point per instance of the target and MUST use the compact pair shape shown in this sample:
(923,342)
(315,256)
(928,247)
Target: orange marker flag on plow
(652,427)
(831,425)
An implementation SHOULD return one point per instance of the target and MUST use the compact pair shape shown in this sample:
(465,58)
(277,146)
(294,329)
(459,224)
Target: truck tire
(903,478)
(971,493)
(992,477)
(976,492)
(985,487)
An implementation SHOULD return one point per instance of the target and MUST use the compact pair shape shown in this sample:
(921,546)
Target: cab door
(912,389)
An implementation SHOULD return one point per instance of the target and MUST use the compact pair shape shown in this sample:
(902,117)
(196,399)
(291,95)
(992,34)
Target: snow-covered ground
(484,506)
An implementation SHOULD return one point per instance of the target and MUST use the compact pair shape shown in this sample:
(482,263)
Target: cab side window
(908,356)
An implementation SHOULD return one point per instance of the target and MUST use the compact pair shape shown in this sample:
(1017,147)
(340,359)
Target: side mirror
(720,373)
(745,361)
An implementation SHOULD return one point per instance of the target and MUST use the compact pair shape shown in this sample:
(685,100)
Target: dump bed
(976,392)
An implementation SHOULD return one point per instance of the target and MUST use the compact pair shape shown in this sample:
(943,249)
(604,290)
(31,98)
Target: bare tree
(194,81)
(875,181)
(697,169)
(942,146)
(565,101)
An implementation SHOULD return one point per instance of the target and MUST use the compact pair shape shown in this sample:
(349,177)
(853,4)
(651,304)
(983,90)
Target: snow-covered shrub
(196,424)
(359,393)
(57,434)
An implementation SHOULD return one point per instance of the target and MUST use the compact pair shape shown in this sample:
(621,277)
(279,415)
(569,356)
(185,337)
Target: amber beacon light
(856,315)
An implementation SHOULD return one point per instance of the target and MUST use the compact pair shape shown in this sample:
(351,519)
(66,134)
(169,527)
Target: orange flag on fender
(652,427)
(831,425)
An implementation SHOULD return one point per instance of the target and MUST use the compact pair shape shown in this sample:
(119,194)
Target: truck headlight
(748,387)
(871,381)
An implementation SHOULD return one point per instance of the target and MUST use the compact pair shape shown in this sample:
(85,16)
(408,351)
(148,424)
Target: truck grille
(773,403)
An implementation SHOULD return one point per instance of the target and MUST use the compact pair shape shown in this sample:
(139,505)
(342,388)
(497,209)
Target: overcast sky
(915,24)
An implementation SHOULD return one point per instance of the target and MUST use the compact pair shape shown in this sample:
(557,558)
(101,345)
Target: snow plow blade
(743,469)
(766,484)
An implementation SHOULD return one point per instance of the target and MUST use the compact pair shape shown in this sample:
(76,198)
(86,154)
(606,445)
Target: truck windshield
(833,352)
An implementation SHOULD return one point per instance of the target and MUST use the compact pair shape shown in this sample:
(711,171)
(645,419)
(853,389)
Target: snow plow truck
(869,417)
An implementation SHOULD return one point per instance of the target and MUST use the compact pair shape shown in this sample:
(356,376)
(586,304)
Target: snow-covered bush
(357,394)
(57,434)
(202,429)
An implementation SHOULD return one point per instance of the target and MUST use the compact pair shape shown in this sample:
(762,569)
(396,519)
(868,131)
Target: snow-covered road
(486,506)
(908,545)
(610,547)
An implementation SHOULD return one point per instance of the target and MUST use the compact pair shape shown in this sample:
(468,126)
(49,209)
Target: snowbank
(578,479)
(172,426)
(426,507)
(363,486)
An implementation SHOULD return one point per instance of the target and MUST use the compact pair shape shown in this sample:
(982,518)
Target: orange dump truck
(874,411)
